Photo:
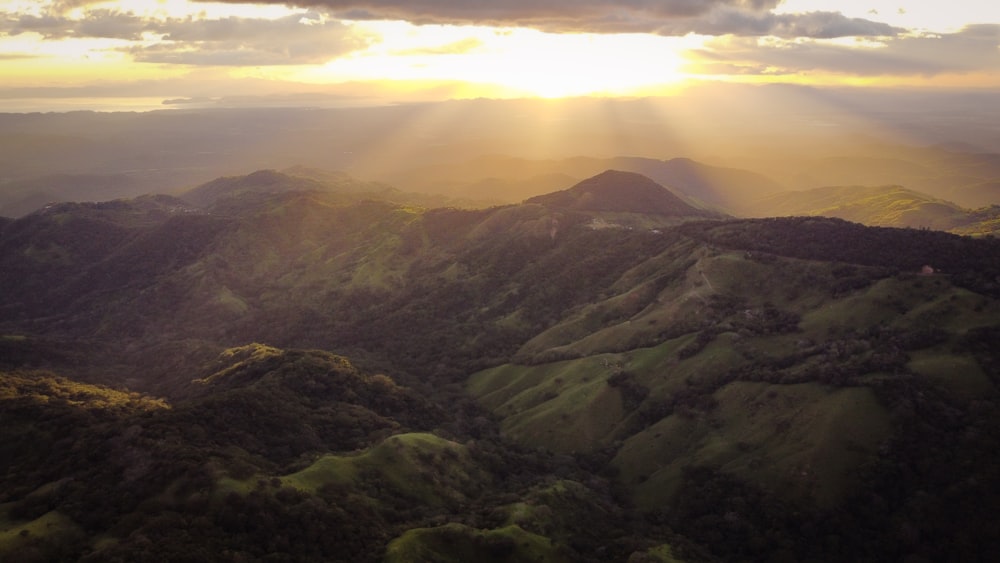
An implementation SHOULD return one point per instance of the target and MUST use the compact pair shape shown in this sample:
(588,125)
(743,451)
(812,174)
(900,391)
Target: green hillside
(279,453)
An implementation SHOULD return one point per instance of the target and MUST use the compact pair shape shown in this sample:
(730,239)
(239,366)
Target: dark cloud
(522,11)
(973,49)
(667,17)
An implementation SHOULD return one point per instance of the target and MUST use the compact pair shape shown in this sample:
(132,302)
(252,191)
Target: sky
(60,55)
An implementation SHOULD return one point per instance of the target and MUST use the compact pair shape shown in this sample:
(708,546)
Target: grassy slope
(803,438)
(457,543)
(51,528)
(424,467)
(564,406)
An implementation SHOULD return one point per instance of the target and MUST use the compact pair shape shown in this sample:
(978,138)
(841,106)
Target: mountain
(308,376)
(617,191)
(452,148)
(890,206)
(335,186)
(749,185)
(983,221)
(512,189)
(229,456)
(726,189)
(951,174)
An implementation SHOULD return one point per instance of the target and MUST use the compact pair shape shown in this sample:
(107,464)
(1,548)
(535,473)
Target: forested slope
(537,381)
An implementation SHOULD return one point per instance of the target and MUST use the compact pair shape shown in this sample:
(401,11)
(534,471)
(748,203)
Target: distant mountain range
(743,193)
(703,185)
(912,188)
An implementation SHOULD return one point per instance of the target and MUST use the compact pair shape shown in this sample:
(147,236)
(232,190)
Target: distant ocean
(65,104)
(43,105)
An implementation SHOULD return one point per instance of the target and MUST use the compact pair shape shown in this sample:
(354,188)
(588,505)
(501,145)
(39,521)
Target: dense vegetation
(531,382)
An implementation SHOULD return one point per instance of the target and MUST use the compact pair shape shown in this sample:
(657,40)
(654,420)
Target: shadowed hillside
(617,191)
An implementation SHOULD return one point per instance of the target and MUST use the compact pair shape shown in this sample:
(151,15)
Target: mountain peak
(619,191)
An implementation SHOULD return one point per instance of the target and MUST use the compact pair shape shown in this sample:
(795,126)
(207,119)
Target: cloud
(523,11)
(106,24)
(17,56)
(63,6)
(214,87)
(459,47)
(295,39)
(201,83)
(816,25)
(302,38)
(666,17)
(976,48)
(51,25)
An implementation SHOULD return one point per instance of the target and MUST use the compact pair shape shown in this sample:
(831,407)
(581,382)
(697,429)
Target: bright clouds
(213,50)
(974,49)
(296,38)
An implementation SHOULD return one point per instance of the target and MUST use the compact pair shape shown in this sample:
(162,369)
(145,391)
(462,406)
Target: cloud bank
(973,49)
(747,40)
(665,17)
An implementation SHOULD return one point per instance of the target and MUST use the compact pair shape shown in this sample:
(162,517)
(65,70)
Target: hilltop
(617,191)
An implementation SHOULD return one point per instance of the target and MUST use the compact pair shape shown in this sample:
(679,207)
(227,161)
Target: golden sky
(61,54)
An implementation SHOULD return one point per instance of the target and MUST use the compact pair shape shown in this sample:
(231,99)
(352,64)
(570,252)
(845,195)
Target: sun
(517,62)
(556,66)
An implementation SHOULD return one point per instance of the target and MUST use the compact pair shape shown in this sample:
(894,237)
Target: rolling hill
(335,186)
(885,206)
